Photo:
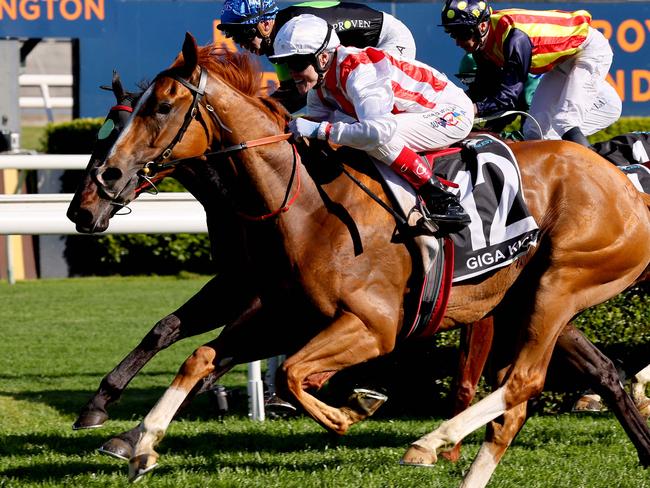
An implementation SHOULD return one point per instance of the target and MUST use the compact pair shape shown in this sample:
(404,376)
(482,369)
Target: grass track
(59,337)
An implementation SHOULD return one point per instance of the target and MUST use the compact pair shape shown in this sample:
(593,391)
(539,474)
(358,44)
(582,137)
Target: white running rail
(151,214)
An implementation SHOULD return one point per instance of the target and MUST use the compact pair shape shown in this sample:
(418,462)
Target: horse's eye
(164,108)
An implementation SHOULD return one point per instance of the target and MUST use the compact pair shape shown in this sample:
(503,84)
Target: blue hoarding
(139,38)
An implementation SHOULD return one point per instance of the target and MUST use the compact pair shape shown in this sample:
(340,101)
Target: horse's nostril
(111,175)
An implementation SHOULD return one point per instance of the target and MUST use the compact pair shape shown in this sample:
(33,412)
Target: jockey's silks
(554,34)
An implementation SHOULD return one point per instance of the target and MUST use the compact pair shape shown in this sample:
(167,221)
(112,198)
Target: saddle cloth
(502,229)
(490,191)
(625,149)
(639,175)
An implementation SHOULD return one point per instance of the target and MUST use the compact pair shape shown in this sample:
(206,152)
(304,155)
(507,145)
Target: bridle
(160,163)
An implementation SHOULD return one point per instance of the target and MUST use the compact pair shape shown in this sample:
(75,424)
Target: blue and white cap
(248,11)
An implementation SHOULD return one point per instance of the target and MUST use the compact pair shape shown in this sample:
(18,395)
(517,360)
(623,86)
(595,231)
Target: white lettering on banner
(497,256)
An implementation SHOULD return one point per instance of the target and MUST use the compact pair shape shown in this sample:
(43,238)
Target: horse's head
(89,209)
(169,123)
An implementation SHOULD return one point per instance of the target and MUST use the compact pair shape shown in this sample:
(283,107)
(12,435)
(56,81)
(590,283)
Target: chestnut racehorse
(327,265)
(90,211)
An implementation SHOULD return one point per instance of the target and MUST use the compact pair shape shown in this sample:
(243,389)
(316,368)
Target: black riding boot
(575,135)
(443,206)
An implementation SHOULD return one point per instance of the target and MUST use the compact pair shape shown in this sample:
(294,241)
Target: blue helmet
(248,11)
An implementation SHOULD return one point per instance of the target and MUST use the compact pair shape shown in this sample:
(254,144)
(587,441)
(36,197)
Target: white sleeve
(369,89)
(315,109)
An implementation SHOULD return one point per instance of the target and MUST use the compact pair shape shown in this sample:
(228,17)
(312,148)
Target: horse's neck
(267,168)
(203,182)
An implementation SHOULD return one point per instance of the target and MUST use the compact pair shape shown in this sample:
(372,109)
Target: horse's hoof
(90,419)
(277,407)
(419,456)
(588,403)
(117,448)
(366,401)
(141,465)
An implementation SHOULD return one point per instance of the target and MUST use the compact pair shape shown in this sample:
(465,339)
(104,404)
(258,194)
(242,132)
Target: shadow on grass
(204,443)
(135,403)
(44,471)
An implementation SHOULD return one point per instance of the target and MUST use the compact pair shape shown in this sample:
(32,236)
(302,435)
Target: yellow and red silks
(555,34)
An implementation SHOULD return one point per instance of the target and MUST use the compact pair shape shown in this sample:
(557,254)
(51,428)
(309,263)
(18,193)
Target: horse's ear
(118,89)
(190,55)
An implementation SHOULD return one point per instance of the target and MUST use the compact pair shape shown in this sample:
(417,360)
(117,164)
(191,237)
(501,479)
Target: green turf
(59,337)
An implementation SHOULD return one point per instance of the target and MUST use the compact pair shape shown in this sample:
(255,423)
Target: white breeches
(446,124)
(576,94)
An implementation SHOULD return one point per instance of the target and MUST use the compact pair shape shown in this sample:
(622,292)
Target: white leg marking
(641,379)
(456,429)
(155,424)
(481,469)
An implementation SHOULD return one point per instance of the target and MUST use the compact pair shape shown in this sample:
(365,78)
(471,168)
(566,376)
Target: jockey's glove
(306,128)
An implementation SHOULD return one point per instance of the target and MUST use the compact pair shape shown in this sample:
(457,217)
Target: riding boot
(575,135)
(443,206)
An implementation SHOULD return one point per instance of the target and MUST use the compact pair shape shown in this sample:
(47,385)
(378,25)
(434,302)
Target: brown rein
(158,165)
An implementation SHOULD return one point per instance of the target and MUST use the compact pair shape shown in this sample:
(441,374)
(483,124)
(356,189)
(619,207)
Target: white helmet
(304,34)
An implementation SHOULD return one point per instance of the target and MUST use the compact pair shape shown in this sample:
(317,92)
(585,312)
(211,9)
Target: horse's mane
(241,72)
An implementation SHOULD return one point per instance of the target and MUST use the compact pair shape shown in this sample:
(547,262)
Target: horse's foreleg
(199,314)
(152,429)
(474,348)
(639,382)
(345,342)
(241,342)
(121,446)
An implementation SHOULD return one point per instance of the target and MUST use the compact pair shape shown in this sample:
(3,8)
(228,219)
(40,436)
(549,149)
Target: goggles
(242,33)
(461,33)
(300,62)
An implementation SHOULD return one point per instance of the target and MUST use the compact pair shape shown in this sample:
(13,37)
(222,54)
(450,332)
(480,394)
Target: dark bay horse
(329,269)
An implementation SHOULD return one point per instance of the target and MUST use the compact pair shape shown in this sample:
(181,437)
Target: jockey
(253,25)
(370,100)
(478,88)
(572,99)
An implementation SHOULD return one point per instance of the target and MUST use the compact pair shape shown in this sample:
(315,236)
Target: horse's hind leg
(639,382)
(605,381)
(199,314)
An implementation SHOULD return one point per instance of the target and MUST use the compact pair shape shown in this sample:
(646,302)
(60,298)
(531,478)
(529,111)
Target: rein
(159,165)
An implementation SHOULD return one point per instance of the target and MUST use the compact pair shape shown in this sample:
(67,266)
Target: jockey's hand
(301,127)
